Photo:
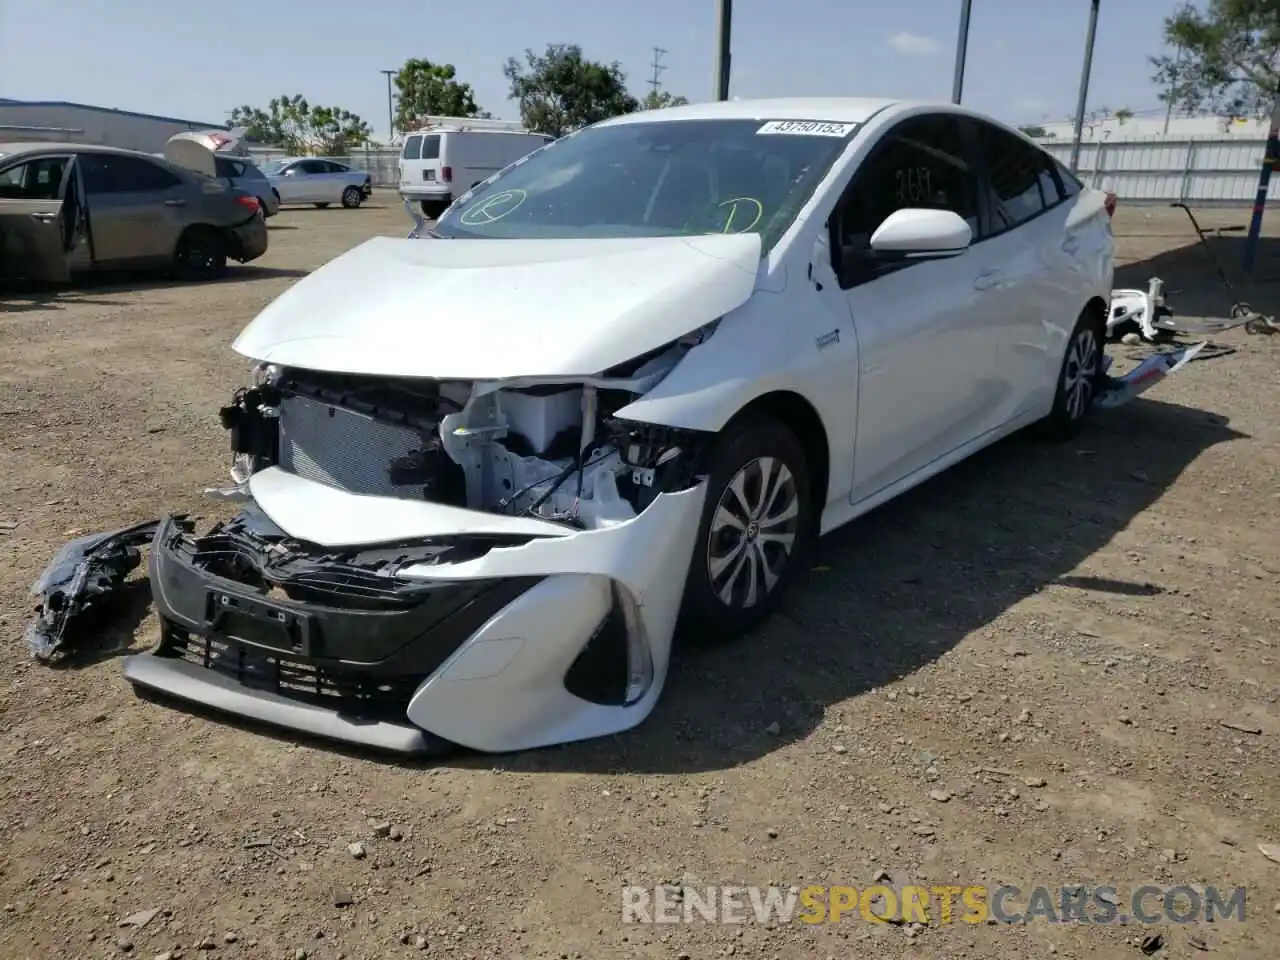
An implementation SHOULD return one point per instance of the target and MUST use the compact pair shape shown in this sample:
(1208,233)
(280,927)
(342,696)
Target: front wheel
(1079,379)
(352,197)
(757,525)
(201,255)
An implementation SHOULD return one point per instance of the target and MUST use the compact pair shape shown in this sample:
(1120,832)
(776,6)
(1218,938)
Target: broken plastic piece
(81,575)
(1120,390)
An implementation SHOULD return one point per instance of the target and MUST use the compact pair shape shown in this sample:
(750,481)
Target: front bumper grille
(351,692)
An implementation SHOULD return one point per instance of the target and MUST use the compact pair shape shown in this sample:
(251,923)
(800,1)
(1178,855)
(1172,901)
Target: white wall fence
(1204,171)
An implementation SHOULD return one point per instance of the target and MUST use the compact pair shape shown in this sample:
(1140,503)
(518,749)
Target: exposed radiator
(342,448)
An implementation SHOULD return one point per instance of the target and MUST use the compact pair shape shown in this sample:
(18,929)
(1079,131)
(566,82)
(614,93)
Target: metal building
(82,123)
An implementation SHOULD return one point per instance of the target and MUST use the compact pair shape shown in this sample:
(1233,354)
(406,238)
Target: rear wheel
(757,525)
(352,197)
(1079,379)
(431,209)
(201,255)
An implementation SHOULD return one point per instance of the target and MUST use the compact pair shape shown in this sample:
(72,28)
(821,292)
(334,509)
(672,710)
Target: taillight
(1110,204)
(249,203)
(446,174)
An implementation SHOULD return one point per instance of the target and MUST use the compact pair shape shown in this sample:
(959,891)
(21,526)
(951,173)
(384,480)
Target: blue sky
(198,60)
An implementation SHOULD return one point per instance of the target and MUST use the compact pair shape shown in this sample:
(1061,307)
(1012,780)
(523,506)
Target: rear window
(431,148)
(412,148)
(227,168)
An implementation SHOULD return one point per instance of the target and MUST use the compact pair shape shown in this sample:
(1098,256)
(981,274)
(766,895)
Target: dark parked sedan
(66,208)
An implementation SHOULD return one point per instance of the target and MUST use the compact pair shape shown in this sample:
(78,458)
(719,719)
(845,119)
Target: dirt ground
(1020,673)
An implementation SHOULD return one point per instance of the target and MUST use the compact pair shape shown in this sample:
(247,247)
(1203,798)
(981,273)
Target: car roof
(8,150)
(833,109)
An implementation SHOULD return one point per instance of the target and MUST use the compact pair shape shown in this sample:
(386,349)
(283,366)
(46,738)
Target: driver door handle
(987,280)
(175,202)
(44,217)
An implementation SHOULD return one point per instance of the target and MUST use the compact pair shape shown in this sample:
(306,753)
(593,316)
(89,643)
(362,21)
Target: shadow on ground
(28,297)
(902,586)
(893,592)
(1192,285)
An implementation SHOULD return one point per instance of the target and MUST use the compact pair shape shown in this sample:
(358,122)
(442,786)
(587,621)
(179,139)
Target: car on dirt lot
(243,174)
(67,208)
(662,355)
(317,181)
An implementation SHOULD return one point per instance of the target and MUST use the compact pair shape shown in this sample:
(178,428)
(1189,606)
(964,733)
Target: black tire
(431,209)
(352,198)
(201,255)
(718,600)
(1079,379)
(322,206)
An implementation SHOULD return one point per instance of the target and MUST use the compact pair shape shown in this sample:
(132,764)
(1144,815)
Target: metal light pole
(1084,86)
(724,22)
(391,113)
(962,47)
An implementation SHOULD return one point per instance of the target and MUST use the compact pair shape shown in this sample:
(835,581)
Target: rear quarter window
(412,148)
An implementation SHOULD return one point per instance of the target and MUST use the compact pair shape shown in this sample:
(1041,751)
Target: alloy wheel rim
(1080,373)
(753,532)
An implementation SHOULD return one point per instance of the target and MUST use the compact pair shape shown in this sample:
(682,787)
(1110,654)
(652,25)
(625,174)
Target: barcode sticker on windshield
(808,128)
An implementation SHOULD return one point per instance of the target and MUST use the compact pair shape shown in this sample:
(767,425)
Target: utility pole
(657,67)
(1084,86)
(962,48)
(1269,163)
(724,23)
(391,111)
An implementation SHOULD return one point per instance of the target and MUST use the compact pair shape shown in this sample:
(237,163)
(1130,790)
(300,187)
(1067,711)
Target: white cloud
(914,44)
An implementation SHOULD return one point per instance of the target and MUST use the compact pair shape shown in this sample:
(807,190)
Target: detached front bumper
(549,641)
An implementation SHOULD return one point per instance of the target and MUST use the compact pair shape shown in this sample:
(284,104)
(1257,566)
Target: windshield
(656,179)
(272,167)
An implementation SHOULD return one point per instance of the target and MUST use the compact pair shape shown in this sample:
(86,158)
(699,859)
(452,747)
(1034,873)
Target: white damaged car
(623,384)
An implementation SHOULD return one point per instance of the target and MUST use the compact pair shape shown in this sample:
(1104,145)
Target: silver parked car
(67,208)
(317,181)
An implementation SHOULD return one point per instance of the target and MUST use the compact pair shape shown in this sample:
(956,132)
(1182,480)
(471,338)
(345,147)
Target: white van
(450,155)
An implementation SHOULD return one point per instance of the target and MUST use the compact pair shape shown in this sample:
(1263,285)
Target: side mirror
(291,172)
(915,234)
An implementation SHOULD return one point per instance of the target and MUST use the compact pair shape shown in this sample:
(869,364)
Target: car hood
(498,309)
(194,149)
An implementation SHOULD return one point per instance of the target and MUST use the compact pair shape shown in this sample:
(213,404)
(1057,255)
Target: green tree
(657,99)
(1227,60)
(1034,131)
(296,126)
(431,89)
(285,123)
(559,90)
(1124,115)
(334,131)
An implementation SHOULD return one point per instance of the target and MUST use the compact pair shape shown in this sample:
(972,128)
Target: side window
(38,179)
(412,148)
(1021,178)
(431,148)
(312,166)
(1071,185)
(112,173)
(921,163)
(337,167)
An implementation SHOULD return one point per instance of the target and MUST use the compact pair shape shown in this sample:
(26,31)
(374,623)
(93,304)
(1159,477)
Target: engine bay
(549,449)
